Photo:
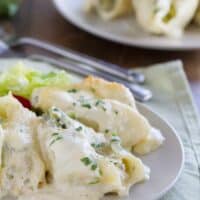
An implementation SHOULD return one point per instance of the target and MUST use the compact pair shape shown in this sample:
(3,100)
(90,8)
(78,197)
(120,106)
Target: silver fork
(140,93)
(114,70)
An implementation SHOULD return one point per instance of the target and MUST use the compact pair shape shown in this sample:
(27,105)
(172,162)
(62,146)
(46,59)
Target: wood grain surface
(39,18)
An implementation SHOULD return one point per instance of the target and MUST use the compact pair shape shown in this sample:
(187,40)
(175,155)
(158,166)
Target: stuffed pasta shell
(77,156)
(106,90)
(167,17)
(103,115)
(22,169)
(109,9)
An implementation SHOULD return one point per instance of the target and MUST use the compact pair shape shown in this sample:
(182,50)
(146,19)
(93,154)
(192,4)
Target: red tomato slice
(25,102)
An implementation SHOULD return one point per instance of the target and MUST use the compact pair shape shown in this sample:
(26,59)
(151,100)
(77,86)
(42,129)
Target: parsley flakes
(56,137)
(94,167)
(99,145)
(79,128)
(101,104)
(72,90)
(116,112)
(86,161)
(86,105)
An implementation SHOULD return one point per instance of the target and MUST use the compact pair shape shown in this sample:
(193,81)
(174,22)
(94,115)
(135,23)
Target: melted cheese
(109,9)
(103,89)
(106,115)
(108,170)
(168,17)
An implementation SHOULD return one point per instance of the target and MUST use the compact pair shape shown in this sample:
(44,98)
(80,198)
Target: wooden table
(39,18)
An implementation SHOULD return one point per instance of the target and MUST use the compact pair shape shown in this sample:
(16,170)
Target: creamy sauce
(63,193)
(57,156)
(104,115)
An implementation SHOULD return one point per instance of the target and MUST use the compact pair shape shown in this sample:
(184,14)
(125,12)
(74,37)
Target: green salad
(22,80)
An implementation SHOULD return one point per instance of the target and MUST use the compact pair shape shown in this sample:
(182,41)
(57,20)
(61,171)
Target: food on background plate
(165,17)
(75,141)
(160,17)
(109,9)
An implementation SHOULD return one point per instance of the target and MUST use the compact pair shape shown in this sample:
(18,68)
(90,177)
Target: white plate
(166,163)
(124,30)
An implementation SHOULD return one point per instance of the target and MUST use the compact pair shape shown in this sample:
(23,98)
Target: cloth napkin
(173,101)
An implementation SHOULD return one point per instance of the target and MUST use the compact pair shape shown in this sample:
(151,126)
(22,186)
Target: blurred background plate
(124,30)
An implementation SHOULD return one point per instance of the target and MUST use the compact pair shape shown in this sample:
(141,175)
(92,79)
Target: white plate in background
(125,30)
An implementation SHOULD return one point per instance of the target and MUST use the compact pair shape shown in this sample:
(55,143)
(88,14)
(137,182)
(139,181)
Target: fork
(141,94)
(114,70)
(82,65)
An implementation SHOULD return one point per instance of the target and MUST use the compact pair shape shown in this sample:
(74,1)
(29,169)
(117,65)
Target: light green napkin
(173,101)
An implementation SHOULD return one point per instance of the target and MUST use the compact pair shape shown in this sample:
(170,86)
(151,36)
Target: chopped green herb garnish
(115,139)
(116,112)
(64,126)
(97,180)
(55,134)
(107,131)
(98,102)
(79,128)
(55,140)
(58,117)
(99,145)
(38,111)
(86,105)
(94,167)
(93,145)
(104,109)
(55,109)
(72,90)
(60,123)
(87,161)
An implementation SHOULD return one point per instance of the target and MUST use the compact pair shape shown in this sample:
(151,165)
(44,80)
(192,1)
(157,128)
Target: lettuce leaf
(22,80)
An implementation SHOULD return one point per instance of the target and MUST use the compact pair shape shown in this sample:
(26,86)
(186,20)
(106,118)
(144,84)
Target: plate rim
(116,39)
(158,116)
